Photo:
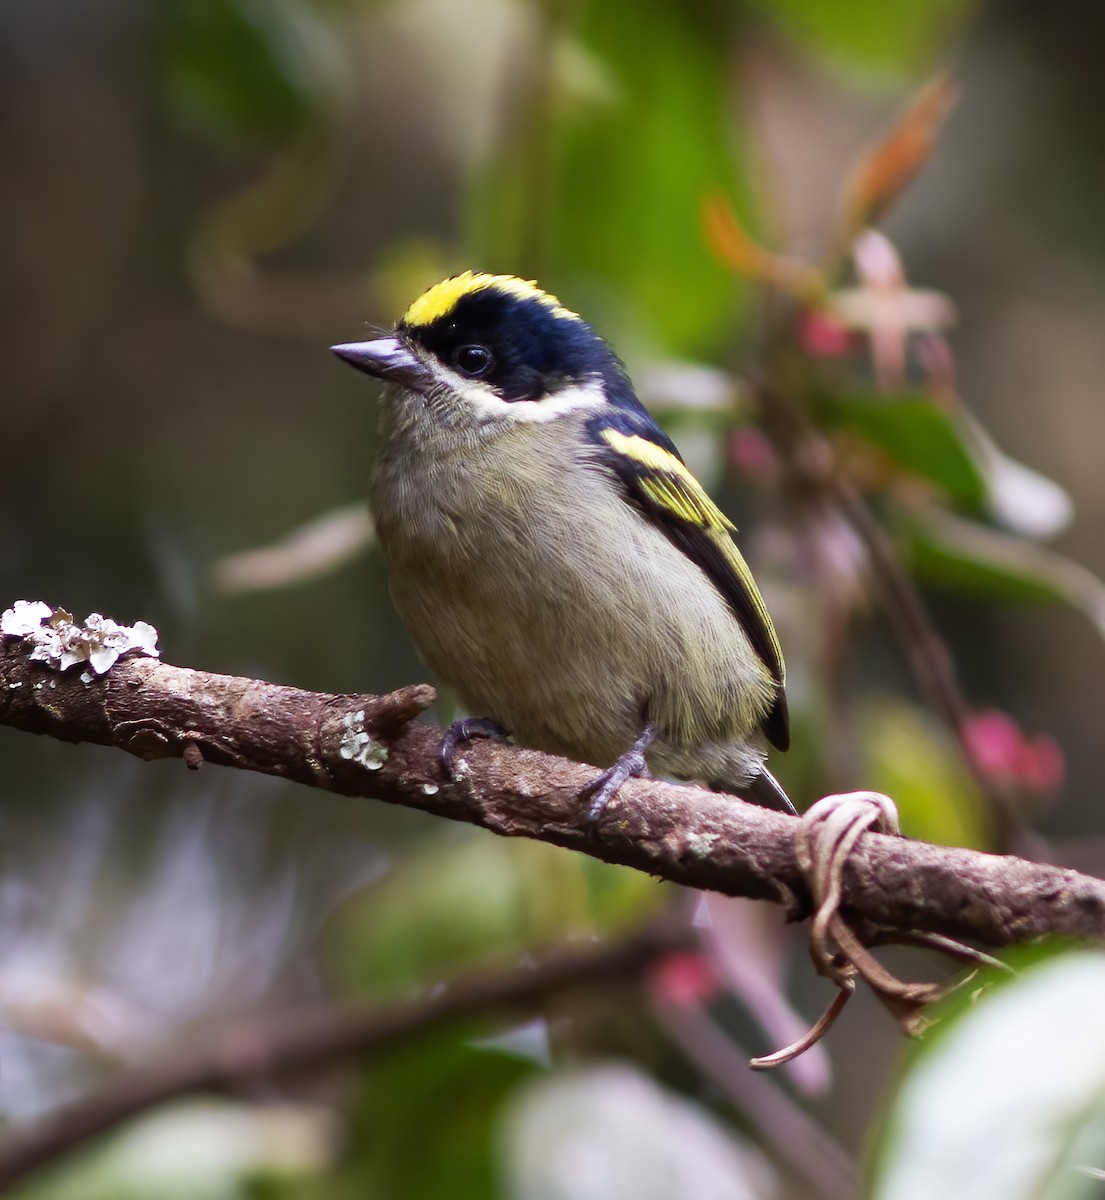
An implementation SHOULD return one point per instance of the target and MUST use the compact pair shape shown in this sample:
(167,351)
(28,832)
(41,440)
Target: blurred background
(197,198)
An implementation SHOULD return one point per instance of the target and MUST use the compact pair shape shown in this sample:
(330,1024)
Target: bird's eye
(473,361)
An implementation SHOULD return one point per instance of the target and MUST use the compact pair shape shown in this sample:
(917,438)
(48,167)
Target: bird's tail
(766,790)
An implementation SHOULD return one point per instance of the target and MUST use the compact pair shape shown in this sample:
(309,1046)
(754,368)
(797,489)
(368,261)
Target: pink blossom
(684,979)
(751,453)
(1001,751)
(823,336)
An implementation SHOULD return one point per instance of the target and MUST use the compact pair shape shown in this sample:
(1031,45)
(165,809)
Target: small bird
(553,558)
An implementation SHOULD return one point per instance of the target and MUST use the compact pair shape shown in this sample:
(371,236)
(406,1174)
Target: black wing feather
(646,461)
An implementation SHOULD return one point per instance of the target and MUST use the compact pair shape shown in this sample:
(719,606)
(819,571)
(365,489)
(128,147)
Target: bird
(553,558)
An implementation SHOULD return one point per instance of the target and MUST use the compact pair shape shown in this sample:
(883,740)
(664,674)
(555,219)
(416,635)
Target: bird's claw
(464,731)
(631,765)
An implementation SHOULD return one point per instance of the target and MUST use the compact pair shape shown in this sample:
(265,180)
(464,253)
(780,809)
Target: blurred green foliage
(228,71)
(918,436)
(635,173)
(465,902)
(1017,1064)
(441,1095)
(909,757)
(868,35)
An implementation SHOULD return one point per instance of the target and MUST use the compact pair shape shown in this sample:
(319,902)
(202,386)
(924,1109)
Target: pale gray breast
(554,606)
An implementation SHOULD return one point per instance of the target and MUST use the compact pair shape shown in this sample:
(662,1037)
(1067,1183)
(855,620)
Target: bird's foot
(463,731)
(631,765)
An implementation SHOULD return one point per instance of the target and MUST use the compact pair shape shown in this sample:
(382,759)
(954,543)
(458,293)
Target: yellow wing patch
(443,297)
(668,482)
(664,480)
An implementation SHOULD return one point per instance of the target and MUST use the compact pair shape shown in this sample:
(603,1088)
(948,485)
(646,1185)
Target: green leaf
(969,557)
(918,435)
(951,449)
(1008,1101)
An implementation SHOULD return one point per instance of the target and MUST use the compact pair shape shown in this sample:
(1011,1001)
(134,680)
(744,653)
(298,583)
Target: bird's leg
(631,765)
(464,731)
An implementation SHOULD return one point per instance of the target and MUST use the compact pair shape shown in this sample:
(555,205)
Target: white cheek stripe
(572,399)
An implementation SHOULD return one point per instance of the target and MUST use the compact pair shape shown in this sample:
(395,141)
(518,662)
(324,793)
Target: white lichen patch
(701,845)
(358,745)
(60,642)
(430,789)
(24,617)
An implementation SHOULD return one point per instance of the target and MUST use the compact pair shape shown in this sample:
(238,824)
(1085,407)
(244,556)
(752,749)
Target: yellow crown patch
(443,297)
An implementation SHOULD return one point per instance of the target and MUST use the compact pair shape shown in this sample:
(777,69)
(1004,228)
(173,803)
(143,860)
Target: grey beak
(386,358)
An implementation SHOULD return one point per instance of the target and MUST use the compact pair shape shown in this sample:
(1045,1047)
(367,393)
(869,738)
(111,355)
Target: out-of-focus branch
(369,746)
(788,1131)
(263,1048)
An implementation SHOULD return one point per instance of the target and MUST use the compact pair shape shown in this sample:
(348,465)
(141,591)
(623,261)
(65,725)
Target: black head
(510,336)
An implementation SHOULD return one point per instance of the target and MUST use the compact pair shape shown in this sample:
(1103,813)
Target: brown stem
(352,745)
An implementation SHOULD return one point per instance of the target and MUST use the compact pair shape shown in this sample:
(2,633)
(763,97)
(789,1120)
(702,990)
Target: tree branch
(257,1049)
(369,746)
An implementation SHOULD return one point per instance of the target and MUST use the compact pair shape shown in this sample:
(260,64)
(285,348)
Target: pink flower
(823,336)
(1042,764)
(1000,750)
(751,453)
(886,308)
(683,979)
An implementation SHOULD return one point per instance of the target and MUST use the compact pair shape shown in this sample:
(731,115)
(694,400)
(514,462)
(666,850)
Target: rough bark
(371,746)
